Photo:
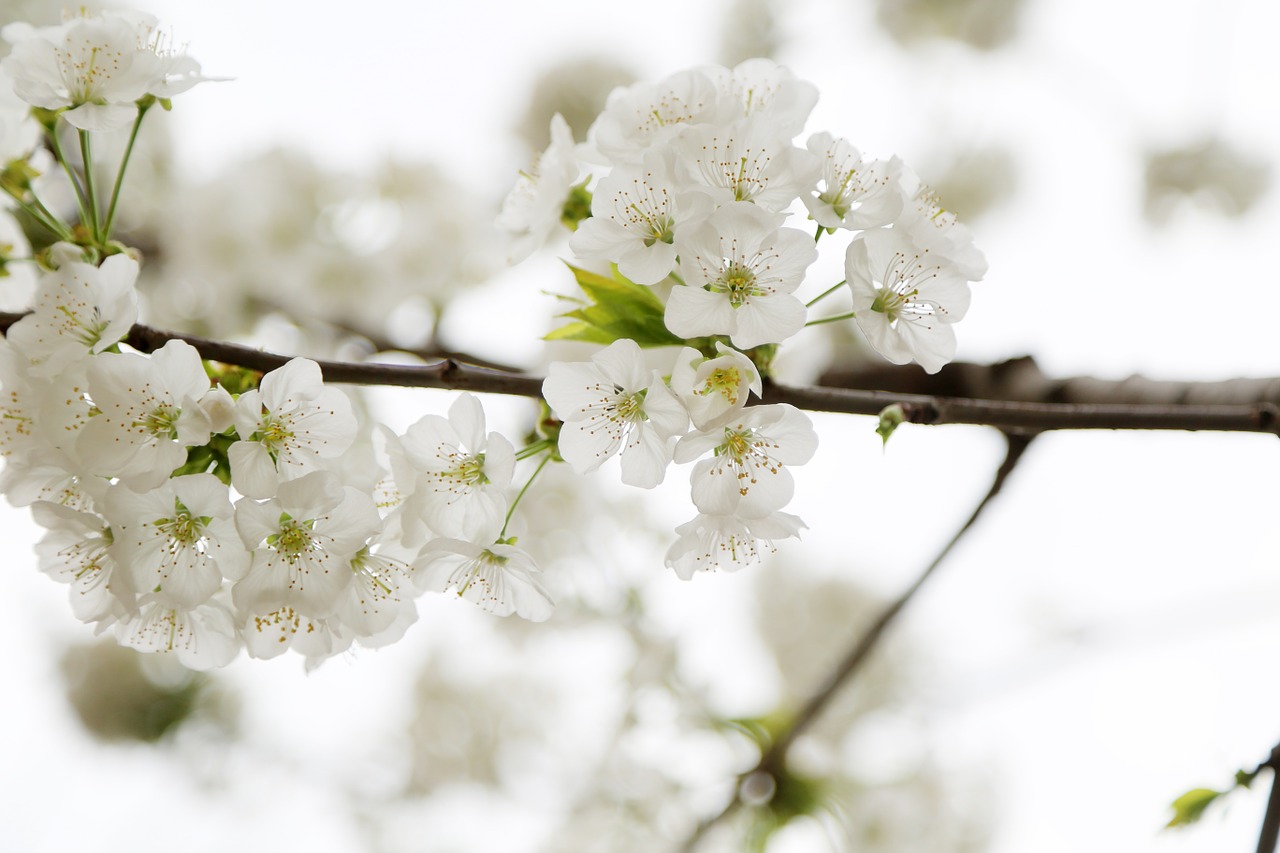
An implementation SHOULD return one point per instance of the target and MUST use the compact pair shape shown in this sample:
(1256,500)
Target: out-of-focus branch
(1269,836)
(772,761)
(1129,404)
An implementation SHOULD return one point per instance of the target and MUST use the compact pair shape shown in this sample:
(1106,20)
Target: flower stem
(124,164)
(511,509)
(534,449)
(71,175)
(817,235)
(833,319)
(41,214)
(824,294)
(91,197)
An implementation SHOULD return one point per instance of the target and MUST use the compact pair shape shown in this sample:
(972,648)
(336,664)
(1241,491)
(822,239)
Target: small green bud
(577,206)
(890,419)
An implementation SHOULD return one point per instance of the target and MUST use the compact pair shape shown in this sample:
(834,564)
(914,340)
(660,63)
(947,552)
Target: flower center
(739,281)
(724,381)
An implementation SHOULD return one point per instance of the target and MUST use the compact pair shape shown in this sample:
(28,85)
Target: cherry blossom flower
(96,67)
(762,87)
(270,633)
(741,269)
(644,116)
(711,542)
(933,227)
(854,192)
(79,310)
(302,544)
(286,426)
(748,160)
(76,550)
(497,577)
(747,477)
(535,206)
(715,389)
(378,604)
(905,298)
(637,213)
(612,404)
(149,413)
(449,475)
(201,637)
(179,539)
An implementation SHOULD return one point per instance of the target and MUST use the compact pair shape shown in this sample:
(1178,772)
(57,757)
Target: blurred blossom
(983,24)
(974,181)
(462,728)
(351,249)
(750,31)
(1212,174)
(866,758)
(122,695)
(576,89)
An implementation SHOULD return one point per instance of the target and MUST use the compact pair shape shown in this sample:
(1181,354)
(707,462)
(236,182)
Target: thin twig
(1270,834)
(773,760)
(1261,415)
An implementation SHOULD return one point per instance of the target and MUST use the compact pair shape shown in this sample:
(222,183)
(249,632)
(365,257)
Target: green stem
(511,510)
(835,319)
(534,449)
(124,164)
(824,294)
(71,175)
(41,214)
(86,158)
(817,235)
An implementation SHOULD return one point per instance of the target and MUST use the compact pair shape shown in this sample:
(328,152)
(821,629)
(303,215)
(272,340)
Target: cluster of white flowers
(195,521)
(195,508)
(700,174)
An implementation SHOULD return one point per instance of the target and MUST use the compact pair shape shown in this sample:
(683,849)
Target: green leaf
(1190,807)
(616,308)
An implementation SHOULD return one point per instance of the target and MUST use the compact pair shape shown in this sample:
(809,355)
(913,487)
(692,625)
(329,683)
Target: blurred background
(1106,639)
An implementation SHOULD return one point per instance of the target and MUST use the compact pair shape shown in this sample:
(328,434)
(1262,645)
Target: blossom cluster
(190,519)
(195,508)
(694,179)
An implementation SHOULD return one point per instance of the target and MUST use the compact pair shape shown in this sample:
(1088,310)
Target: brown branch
(1269,836)
(773,760)
(1129,404)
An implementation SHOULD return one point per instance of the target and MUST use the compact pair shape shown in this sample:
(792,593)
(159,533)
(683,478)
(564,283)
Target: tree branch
(1269,836)
(773,761)
(1128,404)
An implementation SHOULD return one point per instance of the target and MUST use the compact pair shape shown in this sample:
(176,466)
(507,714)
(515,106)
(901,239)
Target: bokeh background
(1105,640)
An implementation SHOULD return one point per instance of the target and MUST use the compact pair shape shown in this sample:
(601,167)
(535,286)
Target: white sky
(1105,641)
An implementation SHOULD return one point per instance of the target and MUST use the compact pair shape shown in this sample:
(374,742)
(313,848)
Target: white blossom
(740,270)
(449,475)
(637,214)
(762,87)
(747,476)
(179,539)
(302,543)
(612,404)
(905,298)
(933,227)
(748,160)
(149,413)
(286,426)
(201,637)
(853,192)
(644,116)
(710,542)
(497,577)
(714,389)
(535,206)
(96,67)
(79,310)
